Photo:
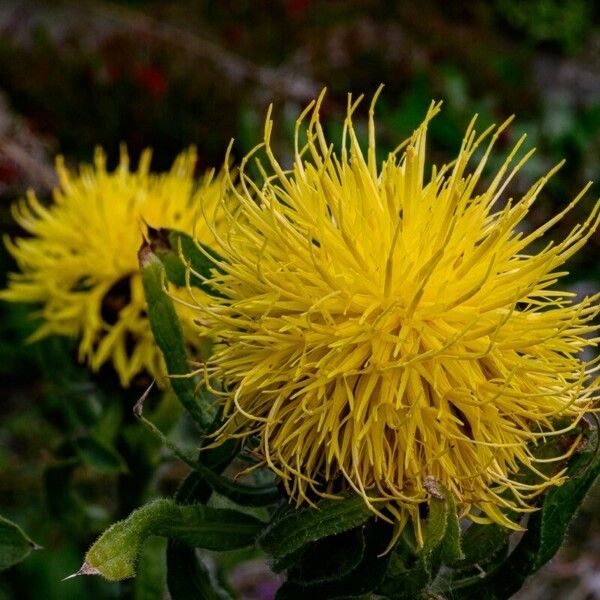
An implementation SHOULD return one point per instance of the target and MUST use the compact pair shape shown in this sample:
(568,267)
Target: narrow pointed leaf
(411,571)
(480,543)
(442,530)
(168,334)
(297,528)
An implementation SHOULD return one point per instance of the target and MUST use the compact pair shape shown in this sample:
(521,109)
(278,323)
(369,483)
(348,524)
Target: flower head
(384,324)
(80,258)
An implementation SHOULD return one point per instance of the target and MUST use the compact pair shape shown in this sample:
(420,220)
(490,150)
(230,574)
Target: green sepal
(297,528)
(15,545)
(482,543)
(441,534)
(443,528)
(116,551)
(168,334)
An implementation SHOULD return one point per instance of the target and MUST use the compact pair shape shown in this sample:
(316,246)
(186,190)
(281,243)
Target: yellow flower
(384,324)
(80,259)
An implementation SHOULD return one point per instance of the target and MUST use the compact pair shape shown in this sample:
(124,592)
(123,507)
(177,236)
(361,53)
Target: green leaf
(442,529)
(299,527)
(240,493)
(15,546)
(329,558)
(364,578)
(545,534)
(168,334)
(451,544)
(116,551)
(98,455)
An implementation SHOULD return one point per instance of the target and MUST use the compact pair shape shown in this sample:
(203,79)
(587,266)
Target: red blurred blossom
(152,79)
(8,172)
(296,8)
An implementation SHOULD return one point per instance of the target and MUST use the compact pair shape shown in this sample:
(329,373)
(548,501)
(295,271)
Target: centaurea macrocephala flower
(79,261)
(382,324)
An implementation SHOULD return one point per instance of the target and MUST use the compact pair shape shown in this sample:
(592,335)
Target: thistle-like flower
(380,325)
(80,259)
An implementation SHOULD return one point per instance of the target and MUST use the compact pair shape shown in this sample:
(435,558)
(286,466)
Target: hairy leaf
(115,553)
(297,528)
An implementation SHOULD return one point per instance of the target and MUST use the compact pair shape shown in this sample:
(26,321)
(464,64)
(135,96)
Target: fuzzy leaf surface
(115,553)
(299,527)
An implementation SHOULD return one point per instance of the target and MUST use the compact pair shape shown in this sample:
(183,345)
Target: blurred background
(169,73)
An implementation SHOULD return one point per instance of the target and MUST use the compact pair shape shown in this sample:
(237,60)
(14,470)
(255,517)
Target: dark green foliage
(169,337)
(330,558)
(363,578)
(98,455)
(15,546)
(296,528)
(413,569)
